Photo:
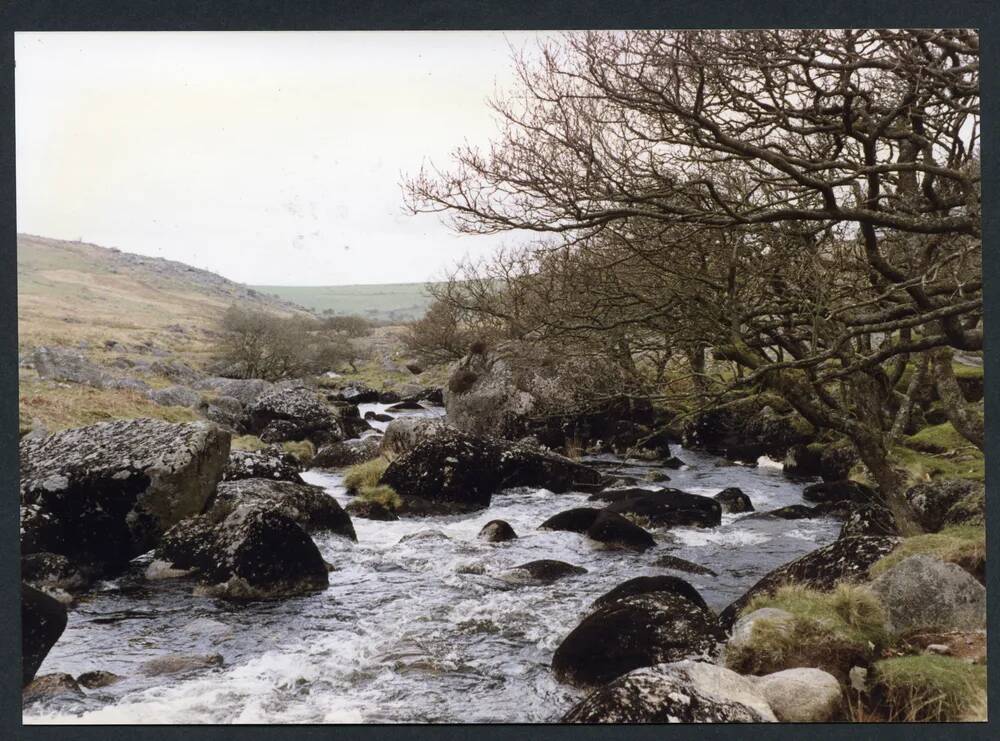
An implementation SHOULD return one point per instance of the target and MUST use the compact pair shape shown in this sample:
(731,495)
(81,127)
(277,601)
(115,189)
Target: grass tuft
(247,442)
(964,545)
(365,475)
(303,450)
(383,495)
(929,688)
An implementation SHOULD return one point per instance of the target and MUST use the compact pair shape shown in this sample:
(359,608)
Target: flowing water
(420,622)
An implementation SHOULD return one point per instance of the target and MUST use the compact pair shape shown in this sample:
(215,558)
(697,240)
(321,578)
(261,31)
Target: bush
(964,545)
(365,475)
(256,344)
(350,325)
(832,631)
(929,688)
(385,496)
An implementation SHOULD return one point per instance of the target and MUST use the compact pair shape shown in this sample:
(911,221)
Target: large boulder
(612,529)
(225,411)
(869,519)
(802,695)
(357,392)
(452,472)
(43,620)
(309,506)
(635,631)
(734,501)
(670,508)
(404,434)
(941,502)
(926,593)
(347,452)
(576,520)
(846,559)
(71,366)
(679,692)
(175,396)
(270,463)
(55,574)
(104,494)
(292,413)
(497,531)
(648,584)
(250,552)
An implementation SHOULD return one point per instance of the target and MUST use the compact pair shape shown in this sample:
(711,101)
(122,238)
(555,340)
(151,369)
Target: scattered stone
(389,397)
(71,366)
(869,519)
(245,390)
(632,632)
(679,692)
(743,631)
(104,494)
(733,500)
(43,620)
(922,592)
(226,411)
(497,531)
(789,512)
(680,564)
(53,573)
(404,406)
(405,433)
(376,417)
(358,393)
(802,695)
(613,529)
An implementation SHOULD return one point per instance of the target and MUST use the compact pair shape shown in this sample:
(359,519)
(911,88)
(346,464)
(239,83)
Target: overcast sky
(271,158)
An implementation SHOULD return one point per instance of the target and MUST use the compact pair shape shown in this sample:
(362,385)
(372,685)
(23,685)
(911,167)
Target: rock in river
(647,584)
(614,530)
(497,531)
(310,506)
(670,508)
(576,520)
(43,620)
(733,500)
(104,494)
(292,413)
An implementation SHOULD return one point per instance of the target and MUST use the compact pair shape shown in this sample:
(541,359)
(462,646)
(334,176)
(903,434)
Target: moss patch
(929,688)
(939,451)
(365,475)
(964,545)
(832,631)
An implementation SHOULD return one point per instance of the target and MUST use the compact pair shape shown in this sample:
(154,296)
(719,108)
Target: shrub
(928,688)
(832,631)
(385,496)
(365,475)
(303,450)
(964,545)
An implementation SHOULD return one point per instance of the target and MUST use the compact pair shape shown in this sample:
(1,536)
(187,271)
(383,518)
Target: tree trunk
(891,481)
(967,418)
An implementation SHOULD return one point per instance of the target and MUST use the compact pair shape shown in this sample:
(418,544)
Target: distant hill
(72,292)
(383,302)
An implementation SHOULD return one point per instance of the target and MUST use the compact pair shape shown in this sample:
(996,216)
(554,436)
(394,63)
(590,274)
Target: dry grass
(365,475)
(385,496)
(247,442)
(303,450)
(929,688)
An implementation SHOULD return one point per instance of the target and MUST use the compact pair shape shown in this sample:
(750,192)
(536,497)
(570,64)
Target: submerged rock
(51,687)
(613,529)
(846,559)
(926,593)
(670,508)
(252,552)
(546,570)
(497,531)
(96,679)
(43,620)
(270,463)
(733,500)
(179,663)
(680,564)
(679,692)
(790,512)
(309,506)
(632,632)
(104,494)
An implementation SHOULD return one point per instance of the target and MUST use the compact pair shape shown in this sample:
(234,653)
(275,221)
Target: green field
(382,302)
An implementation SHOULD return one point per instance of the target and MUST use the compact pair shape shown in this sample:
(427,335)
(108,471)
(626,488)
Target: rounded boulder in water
(497,531)
(734,501)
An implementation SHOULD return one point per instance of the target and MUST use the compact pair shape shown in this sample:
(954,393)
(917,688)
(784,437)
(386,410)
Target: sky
(270,158)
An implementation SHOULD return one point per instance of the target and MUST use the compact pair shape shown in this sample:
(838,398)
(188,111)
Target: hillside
(74,292)
(392,302)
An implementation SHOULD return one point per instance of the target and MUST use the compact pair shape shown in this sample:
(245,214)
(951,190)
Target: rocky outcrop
(43,620)
(497,531)
(841,491)
(252,552)
(647,584)
(846,559)
(829,461)
(922,592)
(670,508)
(404,434)
(270,463)
(454,472)
(292,413)
(175,396)
(309,506)
(613,530)
(104,494)
(734,501)
(802,695)
(179,664)
(942,502)
(632,632)
(347,452)
(679,692)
